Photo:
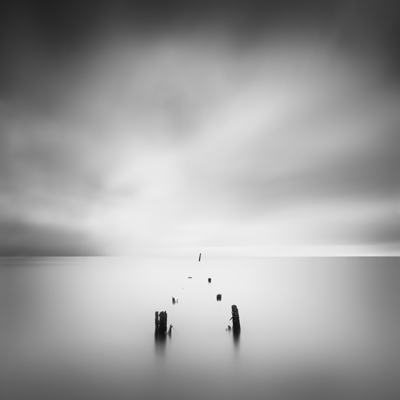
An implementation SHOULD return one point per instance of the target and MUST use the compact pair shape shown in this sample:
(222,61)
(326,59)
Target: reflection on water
(160,340)
(236,338)
(311,328)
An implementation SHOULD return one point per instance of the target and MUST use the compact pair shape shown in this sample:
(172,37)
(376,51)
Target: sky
(232,127)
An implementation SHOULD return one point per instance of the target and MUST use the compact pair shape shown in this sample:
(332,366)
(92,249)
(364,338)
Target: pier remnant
(173,300)
(219,297)
(200,257)
(235,319)
(209,280)
(157,322)
(161,323)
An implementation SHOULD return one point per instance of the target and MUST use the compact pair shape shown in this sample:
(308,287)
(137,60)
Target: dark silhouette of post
(161,323)
(219,297)
(209,280)
(200,257)
(157,323)
(235,319)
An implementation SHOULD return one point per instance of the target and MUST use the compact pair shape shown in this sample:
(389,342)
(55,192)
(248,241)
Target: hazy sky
(134,126)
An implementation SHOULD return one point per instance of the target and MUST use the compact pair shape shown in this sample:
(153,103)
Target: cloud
(22,238)
(133,136)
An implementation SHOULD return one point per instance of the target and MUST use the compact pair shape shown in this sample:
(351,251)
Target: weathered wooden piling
(161,322)
(173,300)
(219,297)
(235,319)
(157,323)
(209,280)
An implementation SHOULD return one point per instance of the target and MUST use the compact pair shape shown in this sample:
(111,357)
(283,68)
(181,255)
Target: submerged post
(235,319)
(161,322)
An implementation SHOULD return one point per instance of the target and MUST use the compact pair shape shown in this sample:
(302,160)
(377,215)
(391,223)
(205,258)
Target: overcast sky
(137,126)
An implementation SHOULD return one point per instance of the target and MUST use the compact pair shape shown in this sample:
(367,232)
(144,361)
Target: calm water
(312,328)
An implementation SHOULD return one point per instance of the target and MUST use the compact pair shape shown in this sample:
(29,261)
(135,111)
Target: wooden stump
(235,319)
(161,322)
(219,297)
(157,323)
(209,280)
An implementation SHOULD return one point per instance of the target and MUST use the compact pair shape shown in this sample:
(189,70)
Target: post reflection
(160,341)
(236,338)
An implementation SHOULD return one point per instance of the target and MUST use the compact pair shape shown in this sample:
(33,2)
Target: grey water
(312,328)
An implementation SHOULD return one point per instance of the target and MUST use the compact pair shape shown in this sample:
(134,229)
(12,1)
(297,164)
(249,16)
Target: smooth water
(312,328)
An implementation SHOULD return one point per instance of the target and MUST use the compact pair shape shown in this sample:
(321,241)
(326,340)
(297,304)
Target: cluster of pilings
(161,318)
(161,323)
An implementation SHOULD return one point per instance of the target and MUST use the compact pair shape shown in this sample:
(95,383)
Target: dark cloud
(22,238)
(45,40)
(61,25)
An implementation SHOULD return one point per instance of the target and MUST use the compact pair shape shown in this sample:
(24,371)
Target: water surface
(312,328)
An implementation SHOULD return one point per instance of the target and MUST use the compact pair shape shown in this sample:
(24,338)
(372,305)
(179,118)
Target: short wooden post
(209,280)
(235,319)
(219,297)
(157,323)
(161,322)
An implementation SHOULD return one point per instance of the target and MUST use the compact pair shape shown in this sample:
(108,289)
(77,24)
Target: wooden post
(209,280)
(219,296)
(161,322)
(157,322)
(235,319)
(200,257)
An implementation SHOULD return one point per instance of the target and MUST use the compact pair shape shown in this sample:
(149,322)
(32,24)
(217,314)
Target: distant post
(235,319)
(200,257)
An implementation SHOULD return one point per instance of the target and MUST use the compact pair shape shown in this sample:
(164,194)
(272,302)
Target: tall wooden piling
(161,322)
(157,323)
(235,319)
